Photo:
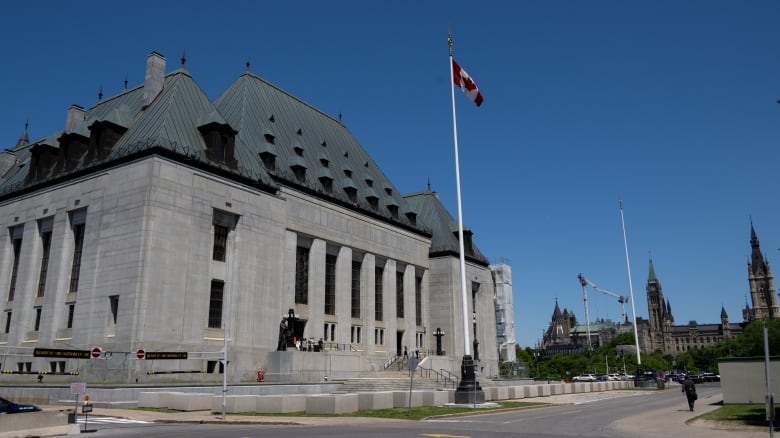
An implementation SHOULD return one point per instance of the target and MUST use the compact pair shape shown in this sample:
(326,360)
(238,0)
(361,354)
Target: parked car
(614,376)
(710,377)
(9,407)
(584,378)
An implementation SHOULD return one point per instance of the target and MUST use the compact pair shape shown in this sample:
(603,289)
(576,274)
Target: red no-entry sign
(140,354)
(96,352)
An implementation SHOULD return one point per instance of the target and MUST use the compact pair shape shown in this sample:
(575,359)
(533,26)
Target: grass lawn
(749,414)
(415,413)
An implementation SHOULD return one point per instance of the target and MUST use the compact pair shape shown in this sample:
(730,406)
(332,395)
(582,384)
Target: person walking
(689,388)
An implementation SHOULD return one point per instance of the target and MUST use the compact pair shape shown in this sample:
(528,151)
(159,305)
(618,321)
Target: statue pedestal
(469,391)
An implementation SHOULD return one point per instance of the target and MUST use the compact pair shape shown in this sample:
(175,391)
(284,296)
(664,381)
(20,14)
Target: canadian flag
(464,81)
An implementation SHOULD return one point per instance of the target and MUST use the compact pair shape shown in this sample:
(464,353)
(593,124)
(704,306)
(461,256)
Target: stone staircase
(391,379)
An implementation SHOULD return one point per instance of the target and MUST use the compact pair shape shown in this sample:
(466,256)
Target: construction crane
(621,298)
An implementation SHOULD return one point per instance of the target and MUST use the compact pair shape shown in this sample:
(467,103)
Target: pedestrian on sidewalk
(689,388)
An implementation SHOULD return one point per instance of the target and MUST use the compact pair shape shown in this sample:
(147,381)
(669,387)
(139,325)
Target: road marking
(444,435)
(110,420)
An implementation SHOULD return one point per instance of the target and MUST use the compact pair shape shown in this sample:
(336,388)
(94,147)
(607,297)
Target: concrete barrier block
(331,404)
(280,404)
(498,393)
(579,387)
(401,399)
(189,401)
(234,403)
(45,423)
(557,388)
(435,398)
(545,390)
(375,400)
(515,392)
(151,400)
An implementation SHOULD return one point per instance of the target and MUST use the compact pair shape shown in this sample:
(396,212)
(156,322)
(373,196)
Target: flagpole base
(469,391)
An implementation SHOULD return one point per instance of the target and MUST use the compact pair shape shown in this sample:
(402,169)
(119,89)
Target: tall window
(113,304)
(8,321)
(220,243)
(78,219)
(301,275)
(37,318)
(46,244)
(356,266)
(223,223)
(215,303)
(16,241)
(78,246)
(71,310)
(399,294)
(378,307)
(418,300)
(330,284)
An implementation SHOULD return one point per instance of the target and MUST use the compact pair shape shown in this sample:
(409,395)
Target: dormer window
(42,160)
(103,137)
(324,162)
(298,151)
(370,182)
(389,191)
(373,201)
(220,142)
(269,138)
(412,216)
(299,131)
(73,148)
(269,160)
(393,209)
(299,172)
(351,193)
(348,173)
(327,184)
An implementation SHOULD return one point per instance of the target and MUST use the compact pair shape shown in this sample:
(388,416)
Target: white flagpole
(466,343)
(630,287)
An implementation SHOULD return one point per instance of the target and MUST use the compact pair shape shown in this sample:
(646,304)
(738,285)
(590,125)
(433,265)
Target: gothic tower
(762,284)
(657,311)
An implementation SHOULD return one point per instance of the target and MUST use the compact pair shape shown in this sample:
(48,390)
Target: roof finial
(125,82)
(183,57)
(247,65)
(24,139)
(100,93)
(339,116)
(429,183)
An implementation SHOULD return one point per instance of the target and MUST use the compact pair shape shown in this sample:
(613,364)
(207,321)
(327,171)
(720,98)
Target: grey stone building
(163,221)
(661,333)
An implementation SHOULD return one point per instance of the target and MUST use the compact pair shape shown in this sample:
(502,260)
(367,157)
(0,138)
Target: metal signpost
(412,368)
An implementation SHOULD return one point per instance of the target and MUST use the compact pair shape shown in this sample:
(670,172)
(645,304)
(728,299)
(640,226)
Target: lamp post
(536,359)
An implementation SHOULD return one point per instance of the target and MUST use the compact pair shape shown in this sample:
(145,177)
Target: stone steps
(388,380)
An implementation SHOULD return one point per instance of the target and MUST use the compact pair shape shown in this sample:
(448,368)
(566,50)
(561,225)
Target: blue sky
(669,104)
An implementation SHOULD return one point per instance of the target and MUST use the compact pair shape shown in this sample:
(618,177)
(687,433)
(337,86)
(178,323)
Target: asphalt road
(613,414)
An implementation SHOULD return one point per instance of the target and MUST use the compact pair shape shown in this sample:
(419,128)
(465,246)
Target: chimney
(75,116)
(153,81)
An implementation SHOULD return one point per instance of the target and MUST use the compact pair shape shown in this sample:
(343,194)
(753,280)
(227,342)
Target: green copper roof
(651,278)
(445,229)
(312,151)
